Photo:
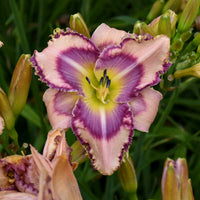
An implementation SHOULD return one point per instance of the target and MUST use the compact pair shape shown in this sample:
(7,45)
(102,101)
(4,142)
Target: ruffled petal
(144,108)
(67,60)
(104,36)
(11,195)
(106,131)
(59,107)
(133,66)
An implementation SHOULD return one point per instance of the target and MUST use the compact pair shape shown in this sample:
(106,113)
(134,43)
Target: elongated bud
(127,175)
(164,26)
(79,154)
(20,84)
(6,111)
(191,71)
(186,35)
(177,45)
(142,28)
(188,15)
(158,25)
(155,10)
(175,182)
(172,5)
(77,23)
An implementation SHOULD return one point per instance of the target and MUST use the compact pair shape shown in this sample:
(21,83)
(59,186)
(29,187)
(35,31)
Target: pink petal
(144,108)
(104,36)
(67,60)
(133,66)
(11,195)
(64,184)
(105,130)
(1,125)
(59,107)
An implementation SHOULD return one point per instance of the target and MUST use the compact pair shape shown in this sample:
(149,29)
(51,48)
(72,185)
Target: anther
(104,73)
(106,79)
(108,83)
(88,80)
(101,80)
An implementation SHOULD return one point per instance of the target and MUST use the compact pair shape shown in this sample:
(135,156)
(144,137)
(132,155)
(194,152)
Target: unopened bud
(20,84)
(191,71)
(127,175)
(175,182)
(172,5)
(77,23)
(197,23)
(155,10)
(186,35)
(142,28)
(79,154)
(177,45)
(1,44)
(6,111)
(188,15)
(164,26)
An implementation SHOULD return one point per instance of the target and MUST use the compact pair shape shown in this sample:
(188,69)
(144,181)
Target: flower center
(103,89)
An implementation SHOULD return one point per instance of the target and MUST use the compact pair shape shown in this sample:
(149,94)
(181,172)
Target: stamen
(106,80)
(101,80)
(104,73)
(88,80)
(108,83)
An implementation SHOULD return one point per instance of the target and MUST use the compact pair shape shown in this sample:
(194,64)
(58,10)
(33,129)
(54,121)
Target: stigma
(103,88)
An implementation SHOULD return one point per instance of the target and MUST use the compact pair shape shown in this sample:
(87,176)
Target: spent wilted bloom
(36,176)
(101,87)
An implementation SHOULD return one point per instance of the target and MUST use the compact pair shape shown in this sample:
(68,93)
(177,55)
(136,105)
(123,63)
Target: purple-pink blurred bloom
(101,87)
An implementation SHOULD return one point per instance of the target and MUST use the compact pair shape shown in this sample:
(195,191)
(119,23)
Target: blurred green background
(25,25)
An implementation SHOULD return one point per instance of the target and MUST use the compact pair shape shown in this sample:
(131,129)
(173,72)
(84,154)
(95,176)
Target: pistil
(103,89)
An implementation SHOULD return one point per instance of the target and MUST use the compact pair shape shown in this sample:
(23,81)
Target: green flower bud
(127,175)
(79,154)
(172,5)
(191,71)
(155,10)
(177,45)
(188,15)
(186,35)
(20,84)
(77,23)
(6,111)
(141,28)
(164,26)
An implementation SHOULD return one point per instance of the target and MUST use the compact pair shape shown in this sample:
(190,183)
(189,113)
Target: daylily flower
(1,125)
(101,87)
(36,176)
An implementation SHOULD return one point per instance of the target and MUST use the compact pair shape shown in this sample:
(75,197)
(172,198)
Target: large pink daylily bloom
(101,87)
(40,177)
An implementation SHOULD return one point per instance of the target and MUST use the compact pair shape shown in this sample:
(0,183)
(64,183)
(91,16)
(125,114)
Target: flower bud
(20,84)
(186,35)
(77,23)
(191,71)
(155,10)
(172,5)
(127,175)
(188,15)
(169,14)
(175,182)
(79,154)
(142,28)
(177,45)
(6,111)
(164,26)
